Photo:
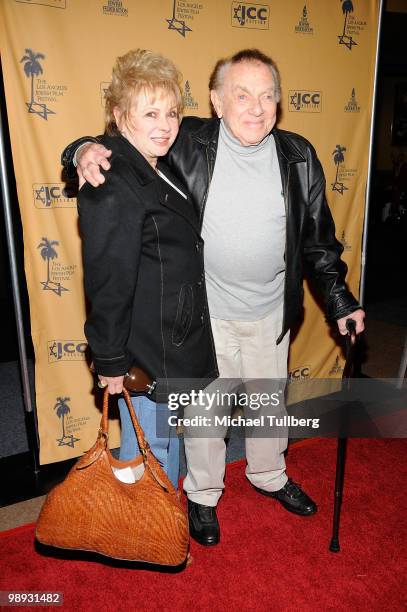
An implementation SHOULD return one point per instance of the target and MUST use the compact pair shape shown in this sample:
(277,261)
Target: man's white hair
(217,78)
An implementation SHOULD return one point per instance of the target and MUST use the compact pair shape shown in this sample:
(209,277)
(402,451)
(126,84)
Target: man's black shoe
(203,524)
(293,498)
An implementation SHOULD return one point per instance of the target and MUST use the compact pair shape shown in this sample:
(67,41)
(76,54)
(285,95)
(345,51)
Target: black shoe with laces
(293,498)
(203,524)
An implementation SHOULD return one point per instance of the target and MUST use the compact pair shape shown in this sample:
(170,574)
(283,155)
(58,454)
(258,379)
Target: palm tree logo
(48,253)
(344,39)
(178,25)
(33,68)
(338,159)
(62,409)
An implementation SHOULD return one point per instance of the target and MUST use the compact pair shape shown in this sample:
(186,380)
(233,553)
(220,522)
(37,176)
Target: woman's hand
(113,383)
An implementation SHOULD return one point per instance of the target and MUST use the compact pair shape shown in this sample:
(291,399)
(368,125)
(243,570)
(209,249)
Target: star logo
(62,409)
(32,70)
(338,155)
(53,351)
(67,441)
(339,187)
(39,196)
(43,196)
(294,101)
(49,253)
(346,40)
(39,109)
(236,15)
(57,288)
(178,25)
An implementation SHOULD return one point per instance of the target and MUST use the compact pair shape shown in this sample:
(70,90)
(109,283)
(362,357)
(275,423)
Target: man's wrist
(68,153)
(75,155)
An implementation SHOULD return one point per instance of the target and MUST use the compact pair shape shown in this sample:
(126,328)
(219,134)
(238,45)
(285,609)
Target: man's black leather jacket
(311,245)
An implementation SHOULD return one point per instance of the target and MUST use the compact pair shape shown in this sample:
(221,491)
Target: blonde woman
(143,254)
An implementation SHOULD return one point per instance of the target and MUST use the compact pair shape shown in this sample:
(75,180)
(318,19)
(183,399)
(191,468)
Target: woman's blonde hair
(134,72)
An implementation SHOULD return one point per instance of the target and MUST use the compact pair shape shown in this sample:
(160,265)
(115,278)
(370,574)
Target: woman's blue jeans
(162,438)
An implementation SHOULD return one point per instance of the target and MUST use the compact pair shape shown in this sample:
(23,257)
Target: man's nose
(257,108)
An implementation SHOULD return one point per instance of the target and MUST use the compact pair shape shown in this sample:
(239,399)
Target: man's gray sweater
(244,231)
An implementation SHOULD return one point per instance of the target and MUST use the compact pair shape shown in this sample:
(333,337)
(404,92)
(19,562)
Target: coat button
(202,318)
(197,245)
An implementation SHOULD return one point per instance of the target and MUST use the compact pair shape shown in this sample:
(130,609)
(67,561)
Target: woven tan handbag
(94,511)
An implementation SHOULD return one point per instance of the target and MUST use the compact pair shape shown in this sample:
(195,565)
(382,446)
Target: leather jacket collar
(208,135)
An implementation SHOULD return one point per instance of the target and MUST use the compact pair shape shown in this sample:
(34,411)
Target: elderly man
(260,195)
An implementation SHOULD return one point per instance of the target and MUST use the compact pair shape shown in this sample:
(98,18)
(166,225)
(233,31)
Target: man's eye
(242,97)
(270,97)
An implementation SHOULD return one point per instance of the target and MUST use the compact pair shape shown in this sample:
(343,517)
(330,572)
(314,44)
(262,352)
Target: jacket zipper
(285,188)
(210,172)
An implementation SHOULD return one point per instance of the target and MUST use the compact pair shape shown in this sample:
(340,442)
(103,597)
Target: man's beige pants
(244,350)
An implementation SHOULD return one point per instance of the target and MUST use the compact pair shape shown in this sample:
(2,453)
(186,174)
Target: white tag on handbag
(129,474)
(124,474)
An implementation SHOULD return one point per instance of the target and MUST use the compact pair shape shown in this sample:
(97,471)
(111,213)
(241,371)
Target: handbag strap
(104,425)
(149,460)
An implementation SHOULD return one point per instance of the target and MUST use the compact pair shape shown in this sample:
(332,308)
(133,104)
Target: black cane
(342,441)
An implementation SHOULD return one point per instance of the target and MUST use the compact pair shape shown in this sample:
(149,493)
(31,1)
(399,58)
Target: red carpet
(268,559)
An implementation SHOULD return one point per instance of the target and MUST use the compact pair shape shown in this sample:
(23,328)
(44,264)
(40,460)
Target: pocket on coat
(185,311)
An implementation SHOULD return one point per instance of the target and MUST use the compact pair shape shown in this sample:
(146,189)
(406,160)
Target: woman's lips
(162,141)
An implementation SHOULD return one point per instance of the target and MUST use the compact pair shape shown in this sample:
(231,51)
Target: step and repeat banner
(57,57)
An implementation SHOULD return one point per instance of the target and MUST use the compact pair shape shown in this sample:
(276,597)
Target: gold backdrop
(57,57)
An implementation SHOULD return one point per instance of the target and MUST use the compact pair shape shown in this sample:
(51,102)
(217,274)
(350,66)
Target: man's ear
(217,103)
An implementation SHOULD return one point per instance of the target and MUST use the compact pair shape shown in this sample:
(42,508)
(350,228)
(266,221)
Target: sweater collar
(234,145)
(209,132)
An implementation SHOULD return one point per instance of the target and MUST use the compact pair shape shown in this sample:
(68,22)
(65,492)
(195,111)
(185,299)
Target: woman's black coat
(143,273)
